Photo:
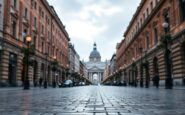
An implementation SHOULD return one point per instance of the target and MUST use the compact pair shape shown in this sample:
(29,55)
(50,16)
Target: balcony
(14,12)
(25,21)
(34,28)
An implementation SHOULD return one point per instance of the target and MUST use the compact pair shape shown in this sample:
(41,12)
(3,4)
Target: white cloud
(101,21)
(84,30)
(102,10)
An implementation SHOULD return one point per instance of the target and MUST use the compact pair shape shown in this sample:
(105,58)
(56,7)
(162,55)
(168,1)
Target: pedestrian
(153,80)
(184,81)
(40,82)
(156,79)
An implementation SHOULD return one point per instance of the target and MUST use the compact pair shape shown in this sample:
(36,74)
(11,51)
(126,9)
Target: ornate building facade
(154,44)
(39,20)
(95,67)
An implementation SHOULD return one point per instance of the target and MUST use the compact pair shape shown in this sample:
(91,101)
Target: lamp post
(166,40)
(45,77)
(68,73)
(26,81)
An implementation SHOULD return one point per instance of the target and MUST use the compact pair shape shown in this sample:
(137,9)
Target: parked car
(67,83)
(81,83)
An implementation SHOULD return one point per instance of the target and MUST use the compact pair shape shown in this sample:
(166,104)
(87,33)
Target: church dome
(95,55)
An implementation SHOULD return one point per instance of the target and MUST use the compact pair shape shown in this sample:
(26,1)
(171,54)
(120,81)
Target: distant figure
(156,80)
(40,82)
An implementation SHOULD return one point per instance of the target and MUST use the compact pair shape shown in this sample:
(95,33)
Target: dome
(95,55)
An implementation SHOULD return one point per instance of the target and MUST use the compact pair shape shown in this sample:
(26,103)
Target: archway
(147,76)
(42,71)
(35,75)
(135,76)
(23,71)
(49,75)
(95,79)
(183,60)
(155,69)
(12,68)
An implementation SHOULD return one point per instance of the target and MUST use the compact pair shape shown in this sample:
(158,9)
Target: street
(92,100)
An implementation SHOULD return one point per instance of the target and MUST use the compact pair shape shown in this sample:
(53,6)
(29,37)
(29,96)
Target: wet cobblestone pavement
(92,100)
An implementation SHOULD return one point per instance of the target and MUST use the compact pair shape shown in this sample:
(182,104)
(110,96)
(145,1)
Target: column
(91,77)
(99,77)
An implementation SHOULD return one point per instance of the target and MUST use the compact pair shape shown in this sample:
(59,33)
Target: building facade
(106,70)
(95,67)
(39,20)
(154,44)
(110,70)
(71,60)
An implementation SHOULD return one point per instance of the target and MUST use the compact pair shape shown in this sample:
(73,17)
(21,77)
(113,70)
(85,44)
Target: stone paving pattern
(92,100)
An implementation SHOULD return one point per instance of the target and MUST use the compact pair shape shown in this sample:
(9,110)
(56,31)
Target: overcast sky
(100,21)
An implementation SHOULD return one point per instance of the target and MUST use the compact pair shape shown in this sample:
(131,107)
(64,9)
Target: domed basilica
(95,66)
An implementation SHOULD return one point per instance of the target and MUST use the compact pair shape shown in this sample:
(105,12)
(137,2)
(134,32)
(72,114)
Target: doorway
(95,79)
(12,69)
(35,75)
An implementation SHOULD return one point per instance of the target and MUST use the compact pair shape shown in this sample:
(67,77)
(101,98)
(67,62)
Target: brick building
(49,39)
(142,54)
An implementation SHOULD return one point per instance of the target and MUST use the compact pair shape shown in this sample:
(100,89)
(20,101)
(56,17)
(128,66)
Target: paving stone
(92,100)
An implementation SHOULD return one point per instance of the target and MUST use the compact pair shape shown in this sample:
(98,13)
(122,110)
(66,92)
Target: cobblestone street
(92,100)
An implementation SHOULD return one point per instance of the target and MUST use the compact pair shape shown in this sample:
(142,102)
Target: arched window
(155,35)
(147,41)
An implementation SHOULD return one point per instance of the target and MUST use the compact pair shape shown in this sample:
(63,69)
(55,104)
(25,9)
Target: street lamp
(68,71)
(165,25)
(26,81)
(166,40)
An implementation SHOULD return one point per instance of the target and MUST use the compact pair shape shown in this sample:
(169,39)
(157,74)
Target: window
(147,11)
(151,6)
(48,21)
(42,29)
(48,34)
(141,22)
(42,14)
(14,3)
(24,35)
(147,41)
(42,46)
(156,1)
(26,13)
(144,16)
(40,11)
(155,36)
(14,28)
(32,3)
(35,5)
(182,9)
(35,22)
(35,41)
